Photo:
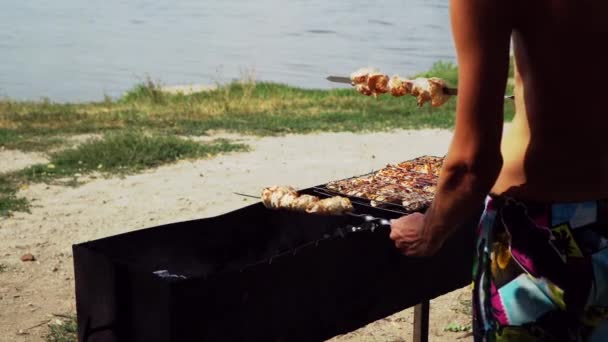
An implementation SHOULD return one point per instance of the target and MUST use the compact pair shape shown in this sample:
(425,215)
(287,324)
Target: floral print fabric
(541,272)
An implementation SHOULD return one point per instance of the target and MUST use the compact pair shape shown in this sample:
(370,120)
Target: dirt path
(31,292)
(12,160)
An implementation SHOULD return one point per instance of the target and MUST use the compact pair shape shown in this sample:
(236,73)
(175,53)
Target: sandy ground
(11,160)
(30,292)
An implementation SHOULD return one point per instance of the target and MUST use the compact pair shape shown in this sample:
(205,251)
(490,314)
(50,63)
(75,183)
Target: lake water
(73,50)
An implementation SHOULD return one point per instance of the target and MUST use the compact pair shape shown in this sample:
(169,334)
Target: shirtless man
(541,270)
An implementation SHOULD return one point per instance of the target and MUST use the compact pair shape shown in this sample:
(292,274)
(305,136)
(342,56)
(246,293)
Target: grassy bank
(142,128)
(244,107)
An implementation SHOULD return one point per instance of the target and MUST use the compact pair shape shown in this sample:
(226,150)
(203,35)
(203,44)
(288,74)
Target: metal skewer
(446,90)
(367,218)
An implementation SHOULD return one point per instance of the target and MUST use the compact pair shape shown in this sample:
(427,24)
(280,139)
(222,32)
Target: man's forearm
(460,193)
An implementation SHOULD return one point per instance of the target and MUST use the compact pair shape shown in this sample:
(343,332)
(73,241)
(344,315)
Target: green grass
(65,332)
(9,202)
(118,152)
(3,268)
(147,91)
(454,327)
(124,152)
(446,71)
(12,139)
(243,107)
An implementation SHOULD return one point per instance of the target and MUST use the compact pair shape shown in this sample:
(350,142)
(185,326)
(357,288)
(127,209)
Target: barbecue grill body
(232,291)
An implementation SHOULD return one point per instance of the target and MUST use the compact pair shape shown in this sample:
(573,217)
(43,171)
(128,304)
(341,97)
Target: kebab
(286,197)
(370,82)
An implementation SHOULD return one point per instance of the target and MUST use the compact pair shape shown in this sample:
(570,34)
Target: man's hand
(410,237)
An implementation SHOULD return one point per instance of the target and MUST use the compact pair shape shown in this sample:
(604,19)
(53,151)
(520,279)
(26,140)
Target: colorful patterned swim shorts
(541,272)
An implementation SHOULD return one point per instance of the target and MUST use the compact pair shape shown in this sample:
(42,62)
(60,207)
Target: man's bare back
(557,146)
(540,266)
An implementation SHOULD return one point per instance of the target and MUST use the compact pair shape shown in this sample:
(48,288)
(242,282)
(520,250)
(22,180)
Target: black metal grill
(255,275)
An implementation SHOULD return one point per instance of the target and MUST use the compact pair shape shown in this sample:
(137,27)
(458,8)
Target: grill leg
(421,322)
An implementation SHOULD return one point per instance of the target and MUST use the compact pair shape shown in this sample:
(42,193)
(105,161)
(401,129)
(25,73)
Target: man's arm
(482,34)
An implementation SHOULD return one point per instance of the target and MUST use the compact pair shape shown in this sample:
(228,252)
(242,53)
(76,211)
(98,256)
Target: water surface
(73,50)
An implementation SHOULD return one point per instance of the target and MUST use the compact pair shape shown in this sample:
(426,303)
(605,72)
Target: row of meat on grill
(410,184)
